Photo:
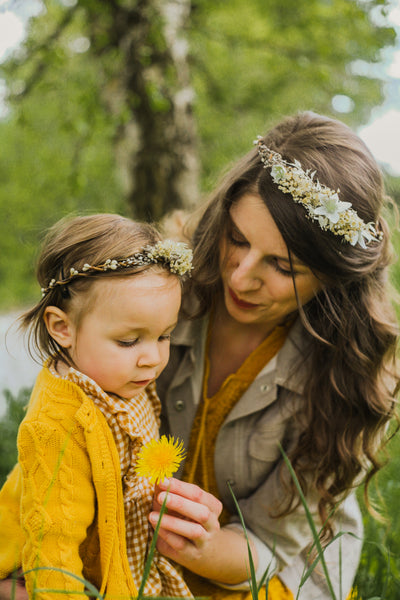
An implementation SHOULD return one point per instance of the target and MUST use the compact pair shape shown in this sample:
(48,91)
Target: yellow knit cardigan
(66,492)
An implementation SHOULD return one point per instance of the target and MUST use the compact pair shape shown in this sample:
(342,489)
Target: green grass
(378,575)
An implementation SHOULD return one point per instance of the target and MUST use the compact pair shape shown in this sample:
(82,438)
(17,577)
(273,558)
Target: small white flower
(359,237)
(278,172)
(331,207)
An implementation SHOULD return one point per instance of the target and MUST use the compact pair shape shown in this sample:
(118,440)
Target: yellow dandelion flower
(160,458)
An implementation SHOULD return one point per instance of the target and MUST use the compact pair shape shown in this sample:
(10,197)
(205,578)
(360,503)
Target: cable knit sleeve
(57,502)
(11,535)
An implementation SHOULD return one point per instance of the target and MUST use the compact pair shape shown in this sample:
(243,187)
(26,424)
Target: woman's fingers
(189,500)
(179,527)
(190,521)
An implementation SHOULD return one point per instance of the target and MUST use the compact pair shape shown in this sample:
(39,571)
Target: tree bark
(157,149)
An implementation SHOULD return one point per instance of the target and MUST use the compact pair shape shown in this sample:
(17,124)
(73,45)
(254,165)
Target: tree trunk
(157,146)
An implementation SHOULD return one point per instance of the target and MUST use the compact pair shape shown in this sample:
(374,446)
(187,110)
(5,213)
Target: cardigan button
(265,387)
(179,405)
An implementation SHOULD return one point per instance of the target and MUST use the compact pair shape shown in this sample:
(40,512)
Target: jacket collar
(282,370)
(290,358)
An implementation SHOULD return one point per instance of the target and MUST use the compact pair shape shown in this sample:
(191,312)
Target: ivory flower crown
(174,255)
(321,203)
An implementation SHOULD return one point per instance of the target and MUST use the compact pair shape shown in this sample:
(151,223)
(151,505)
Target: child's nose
(150,356)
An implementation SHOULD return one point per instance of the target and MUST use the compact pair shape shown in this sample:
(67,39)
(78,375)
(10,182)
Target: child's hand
(190,533)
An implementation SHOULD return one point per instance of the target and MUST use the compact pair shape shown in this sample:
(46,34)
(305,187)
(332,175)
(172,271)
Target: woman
(291,343)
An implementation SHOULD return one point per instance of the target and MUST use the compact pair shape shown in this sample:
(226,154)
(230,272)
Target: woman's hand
(13,589)
(190,533)
(191,520)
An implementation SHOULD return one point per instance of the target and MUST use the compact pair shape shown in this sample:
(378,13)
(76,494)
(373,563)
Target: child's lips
(143,382)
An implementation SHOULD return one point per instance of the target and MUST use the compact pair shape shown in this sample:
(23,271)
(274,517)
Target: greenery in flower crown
(322,204)
(174,255)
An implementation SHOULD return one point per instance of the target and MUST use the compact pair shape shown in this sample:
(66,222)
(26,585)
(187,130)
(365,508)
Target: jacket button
(179,405)
(265,387)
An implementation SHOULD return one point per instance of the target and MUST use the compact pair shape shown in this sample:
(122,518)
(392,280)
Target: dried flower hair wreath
(174,255)
(321,203)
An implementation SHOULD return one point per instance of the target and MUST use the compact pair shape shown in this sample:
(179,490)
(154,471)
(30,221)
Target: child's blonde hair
(70,244)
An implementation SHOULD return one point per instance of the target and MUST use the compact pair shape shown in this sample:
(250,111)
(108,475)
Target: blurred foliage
(251,63)
(9,424)
(378,575)
(260,61)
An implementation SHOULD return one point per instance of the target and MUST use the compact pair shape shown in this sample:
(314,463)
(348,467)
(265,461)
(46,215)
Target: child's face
(122,342)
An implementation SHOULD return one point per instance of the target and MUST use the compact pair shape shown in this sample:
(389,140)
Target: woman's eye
(236,239)
(127,343)
(287,271)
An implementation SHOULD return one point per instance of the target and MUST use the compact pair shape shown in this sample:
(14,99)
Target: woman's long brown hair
(350,327)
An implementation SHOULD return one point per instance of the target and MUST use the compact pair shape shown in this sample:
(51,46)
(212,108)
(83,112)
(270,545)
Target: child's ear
(59,326)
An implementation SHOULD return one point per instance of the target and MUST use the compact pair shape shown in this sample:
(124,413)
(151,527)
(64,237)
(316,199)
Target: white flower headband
(321,203)
(174,255)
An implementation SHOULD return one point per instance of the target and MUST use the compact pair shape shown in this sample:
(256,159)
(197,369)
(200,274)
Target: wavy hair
(350,325)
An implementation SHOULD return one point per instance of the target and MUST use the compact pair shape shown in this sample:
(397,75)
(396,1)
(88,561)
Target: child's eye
(165,337)
(127,343)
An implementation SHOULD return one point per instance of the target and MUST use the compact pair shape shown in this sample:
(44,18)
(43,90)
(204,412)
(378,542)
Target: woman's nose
(245,274)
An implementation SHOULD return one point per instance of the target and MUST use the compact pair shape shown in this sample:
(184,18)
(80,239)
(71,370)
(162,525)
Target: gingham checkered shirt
(133,423)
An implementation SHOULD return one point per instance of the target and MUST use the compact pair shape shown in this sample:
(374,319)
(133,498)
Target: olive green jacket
(248,456)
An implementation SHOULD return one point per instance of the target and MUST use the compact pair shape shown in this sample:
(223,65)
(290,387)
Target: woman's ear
(59,326)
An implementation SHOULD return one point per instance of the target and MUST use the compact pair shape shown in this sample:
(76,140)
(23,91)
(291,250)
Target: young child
(111,295)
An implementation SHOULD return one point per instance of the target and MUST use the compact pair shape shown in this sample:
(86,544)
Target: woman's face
(255,268)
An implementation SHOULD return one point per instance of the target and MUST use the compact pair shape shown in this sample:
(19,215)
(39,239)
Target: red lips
(241,303)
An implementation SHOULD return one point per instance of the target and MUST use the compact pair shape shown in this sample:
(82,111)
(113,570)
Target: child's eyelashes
(165,337)
(127,343)
(130,343)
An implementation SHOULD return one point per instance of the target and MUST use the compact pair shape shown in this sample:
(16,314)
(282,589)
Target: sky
(381,133)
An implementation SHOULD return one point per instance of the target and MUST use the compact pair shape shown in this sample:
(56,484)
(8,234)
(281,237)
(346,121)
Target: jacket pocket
(263,443)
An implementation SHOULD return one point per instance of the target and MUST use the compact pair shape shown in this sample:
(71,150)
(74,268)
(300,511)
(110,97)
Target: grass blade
(149,559)
(310,520)
(252,579)
(91,590)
